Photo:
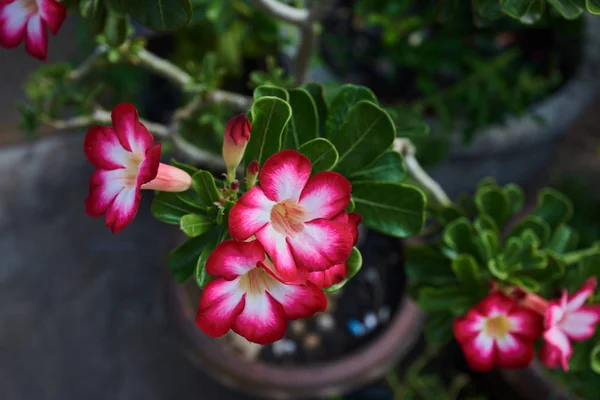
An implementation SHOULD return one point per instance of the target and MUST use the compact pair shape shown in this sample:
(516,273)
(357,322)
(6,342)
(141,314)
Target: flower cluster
(292,237)
(29,19)
(501,330)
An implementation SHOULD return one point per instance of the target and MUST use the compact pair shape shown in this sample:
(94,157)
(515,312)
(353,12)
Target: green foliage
(321,153)
(354,264)
(387,168)
(270,116)
(304,125)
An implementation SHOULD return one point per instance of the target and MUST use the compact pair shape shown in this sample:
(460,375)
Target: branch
(432,188)
(163,68)
(283,12)
(86,66)
(194,154)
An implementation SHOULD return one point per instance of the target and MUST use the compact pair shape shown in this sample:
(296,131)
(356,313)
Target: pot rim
(358,368)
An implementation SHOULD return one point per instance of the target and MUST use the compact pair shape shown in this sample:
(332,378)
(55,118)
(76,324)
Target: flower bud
(236,137)
(252,174)
(169,179)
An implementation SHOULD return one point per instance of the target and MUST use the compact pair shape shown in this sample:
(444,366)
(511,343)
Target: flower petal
(132,134)
(284,175)
(496,304)
(558,339)
(36,39)
(103,149)
(329,277)
(321,244)
(353,222)
(512,353)
(299,301)
(554,313)
(148,168)
(580,324)
(525,323)
(104,188)
(468,326)
(579,298)
(550,355)
(53,13)
(13,22)
(262,321)
(123,209)
(251,213)
(325,195)
(277,247)
(220,304)
(231,259)
(479,352)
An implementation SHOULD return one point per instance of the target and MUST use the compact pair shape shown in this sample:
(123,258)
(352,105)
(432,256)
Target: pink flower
(337,273)
(29,19)
(498,332)
(248,298)
(292,216)
(568,318)
(235,140)
(126,160)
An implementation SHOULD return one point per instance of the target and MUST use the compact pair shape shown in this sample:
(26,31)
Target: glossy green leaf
(190,169)
(595,358)
(160,15)
(593,6)
(534,223)
(354,263)
(271,91)
(569,9)
(527,11)
(347,97)
(387,168)
(351,206)
(450,298)
(564,239)
(364,136)
(195,225)
(317,92)
(466,269)
(522,253)
(408,124)
(118,6)
(516,197)
(424,263)
(206,188)
(438,328)
(184,259)
(91,9)
(304,124)
(191,197)
(202,277)
(270,116)
(115,29)
(321,153)
(493,202)
(393,209)
(489,9)
(169,208)
(489,242)
(526,283)
(458,235)
(553,207)
(486,223)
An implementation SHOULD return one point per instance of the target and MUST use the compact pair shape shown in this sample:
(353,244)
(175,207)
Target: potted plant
(272,223)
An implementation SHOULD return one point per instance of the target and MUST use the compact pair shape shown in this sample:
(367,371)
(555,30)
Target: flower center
(132,167)
(497,327)
(256,281)
(287,218)
(29,5)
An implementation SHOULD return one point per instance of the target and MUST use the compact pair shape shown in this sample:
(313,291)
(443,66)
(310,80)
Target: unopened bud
(235,185)
(169,179)
(252,173)
(236,137)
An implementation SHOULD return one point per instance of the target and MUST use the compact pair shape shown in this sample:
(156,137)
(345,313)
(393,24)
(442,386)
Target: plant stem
(433,190)
(162,67)
(576,256)
(86,66)
(283,12)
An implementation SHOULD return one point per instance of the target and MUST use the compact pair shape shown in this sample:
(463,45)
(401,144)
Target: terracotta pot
(363,366)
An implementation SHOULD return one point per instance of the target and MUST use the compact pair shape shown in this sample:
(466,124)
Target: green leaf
(184,259)
(489,9)
(270,116)
(450,298)
(563,240)
(304,124)
(354,263)
(493,202)
(569,9)
(160,15)
(366,134)
(390,208)
(117,6)
(169,208)
(195,225)
(553,207)
(424,263)
(317,92)
(387,168)
(466,270)
(90,9)
(516,197)
(595,358)
(458,235)
(191,197)
(535,224)
(527,11)
(438,328)
(351,206)
(271,91)
(345,99)
(202,277)
(486,223)
(115,29)
(408,124)
(321,153)
(190,169)
(204,185)
(527,283)
(593,6)
(523,254)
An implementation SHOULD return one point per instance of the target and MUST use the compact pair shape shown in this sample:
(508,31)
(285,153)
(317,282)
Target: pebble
(355,327)
(325,322)
(370,321)
(298,327)
(283,347)
(312,341)
(372,275)
(384,313)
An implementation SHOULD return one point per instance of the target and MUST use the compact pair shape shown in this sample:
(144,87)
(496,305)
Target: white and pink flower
(497,332)
(292,216)
(248,298)
(568,319)
(126,160)
(337,273)
(29,19)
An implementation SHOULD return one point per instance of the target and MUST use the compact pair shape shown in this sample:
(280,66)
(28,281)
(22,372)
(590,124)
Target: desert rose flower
(337,273)
(235,140)
(248,298)
(126,160)
(568,319)
(29,19)
(292,216)
(498,332)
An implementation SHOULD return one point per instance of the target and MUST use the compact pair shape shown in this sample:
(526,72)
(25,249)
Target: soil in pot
(357,314)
